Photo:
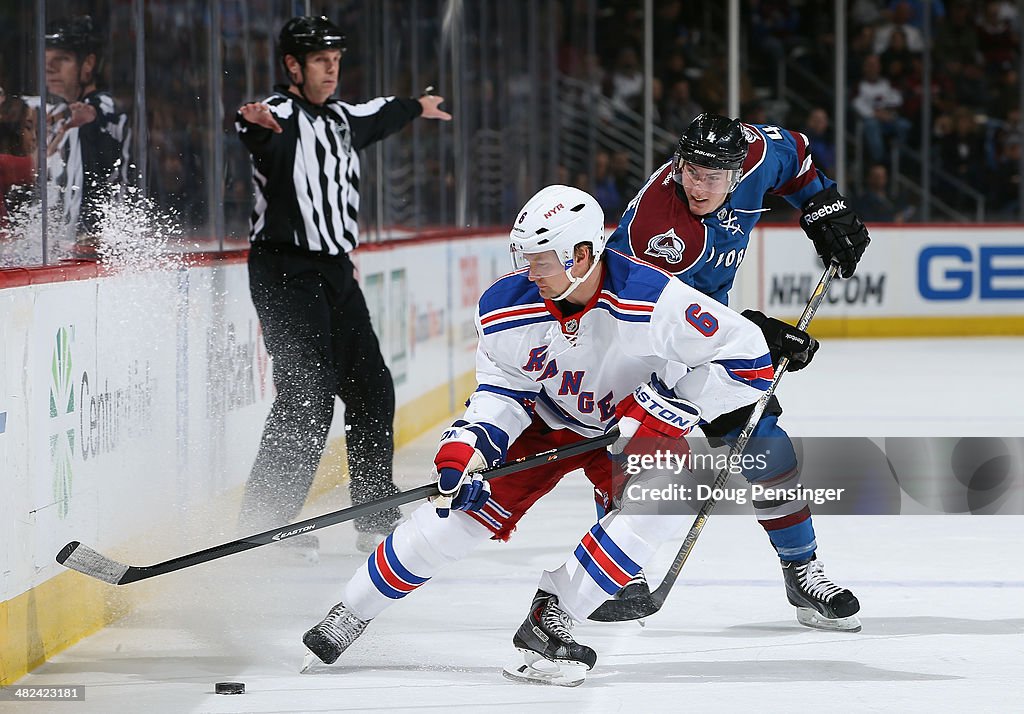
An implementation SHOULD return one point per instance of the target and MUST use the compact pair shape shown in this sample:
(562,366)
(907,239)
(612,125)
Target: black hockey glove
(835,230)
(784,340)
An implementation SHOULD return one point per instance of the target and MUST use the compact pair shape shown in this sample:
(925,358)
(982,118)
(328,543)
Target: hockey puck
(229,688)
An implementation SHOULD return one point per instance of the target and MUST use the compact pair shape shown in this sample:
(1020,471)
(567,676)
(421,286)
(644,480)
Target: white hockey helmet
(558,218)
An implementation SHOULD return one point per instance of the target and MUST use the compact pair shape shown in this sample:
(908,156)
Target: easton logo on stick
(288,534)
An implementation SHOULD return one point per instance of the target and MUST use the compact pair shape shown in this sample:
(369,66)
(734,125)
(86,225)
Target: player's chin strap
(643,606)
(575,282)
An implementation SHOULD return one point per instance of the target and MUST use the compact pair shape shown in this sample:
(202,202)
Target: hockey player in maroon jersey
(693,218)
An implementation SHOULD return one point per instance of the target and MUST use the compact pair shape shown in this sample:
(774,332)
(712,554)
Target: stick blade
(635,608)
(88,562)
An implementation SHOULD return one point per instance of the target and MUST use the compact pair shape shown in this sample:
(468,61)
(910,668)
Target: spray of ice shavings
(21,243)
(135,235)
(132,234)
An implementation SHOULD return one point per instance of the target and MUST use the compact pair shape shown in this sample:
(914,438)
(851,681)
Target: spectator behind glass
(875,204)
(876,103)
(1005,193)
(606,190)
(996,37)
(680,108)
(955,38)
(901,14)
(963,156)
(91,133)
(823,149)
(627,81)
(17,151)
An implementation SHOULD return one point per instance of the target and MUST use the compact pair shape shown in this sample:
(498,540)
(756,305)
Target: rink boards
(128,401)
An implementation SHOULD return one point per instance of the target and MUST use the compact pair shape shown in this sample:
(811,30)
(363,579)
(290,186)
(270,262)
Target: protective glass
(541,265)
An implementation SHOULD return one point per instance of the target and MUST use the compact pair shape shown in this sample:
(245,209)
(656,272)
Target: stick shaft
(741,442)
(86,560)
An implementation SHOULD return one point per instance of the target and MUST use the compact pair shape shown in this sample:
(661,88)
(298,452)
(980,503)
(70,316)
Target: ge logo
(668,246)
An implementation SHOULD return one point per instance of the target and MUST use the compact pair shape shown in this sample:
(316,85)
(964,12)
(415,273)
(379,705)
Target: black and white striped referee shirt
(307,177)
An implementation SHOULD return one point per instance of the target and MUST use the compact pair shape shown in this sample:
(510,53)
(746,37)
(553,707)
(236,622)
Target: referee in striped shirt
(316,326)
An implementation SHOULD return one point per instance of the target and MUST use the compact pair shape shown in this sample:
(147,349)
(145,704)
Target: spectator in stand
(627,185)
(861,47)
(916,17)
(17,149)
(901,14)
(627,81)
(865,13)
(877,103)
(962,153)
(1005,192)
(972,87)
(897,51)
(996,37)
(823,148)
(711,88)
(606,190)
(941,94)
(773,24)
(875,204)
(1005,94)
(955,37)
(675,69)
(680,108)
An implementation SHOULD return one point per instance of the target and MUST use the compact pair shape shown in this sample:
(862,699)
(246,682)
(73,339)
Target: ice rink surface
(942,596)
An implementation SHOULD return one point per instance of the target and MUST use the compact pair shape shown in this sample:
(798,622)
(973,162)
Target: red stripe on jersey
(797,183)
(626,305)
(759,373)
(619,576)
(504,313)
(388,574)
(775,524)
(801,142)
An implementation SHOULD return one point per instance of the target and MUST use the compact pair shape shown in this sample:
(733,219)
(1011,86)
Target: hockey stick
(94,564)
(646,605)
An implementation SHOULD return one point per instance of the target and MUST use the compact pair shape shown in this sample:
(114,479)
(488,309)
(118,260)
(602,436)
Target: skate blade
(537,670)
(307,661)
(812,618)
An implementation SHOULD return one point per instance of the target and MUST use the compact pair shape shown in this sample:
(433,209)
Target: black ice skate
(333,635)
(820,603)
(551,654)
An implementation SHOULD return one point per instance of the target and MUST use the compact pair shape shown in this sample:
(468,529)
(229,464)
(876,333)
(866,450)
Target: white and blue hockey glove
(456,461)
(653,411)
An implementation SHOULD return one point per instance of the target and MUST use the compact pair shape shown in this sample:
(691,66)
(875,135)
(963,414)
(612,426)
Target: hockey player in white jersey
(574,341)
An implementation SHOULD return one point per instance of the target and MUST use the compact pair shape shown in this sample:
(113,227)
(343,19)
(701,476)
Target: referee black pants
(317,330)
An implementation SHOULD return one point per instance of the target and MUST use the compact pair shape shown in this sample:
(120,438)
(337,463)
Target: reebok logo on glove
(824,211)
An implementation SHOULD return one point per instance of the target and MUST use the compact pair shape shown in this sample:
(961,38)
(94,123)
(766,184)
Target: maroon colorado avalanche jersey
(705,252)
